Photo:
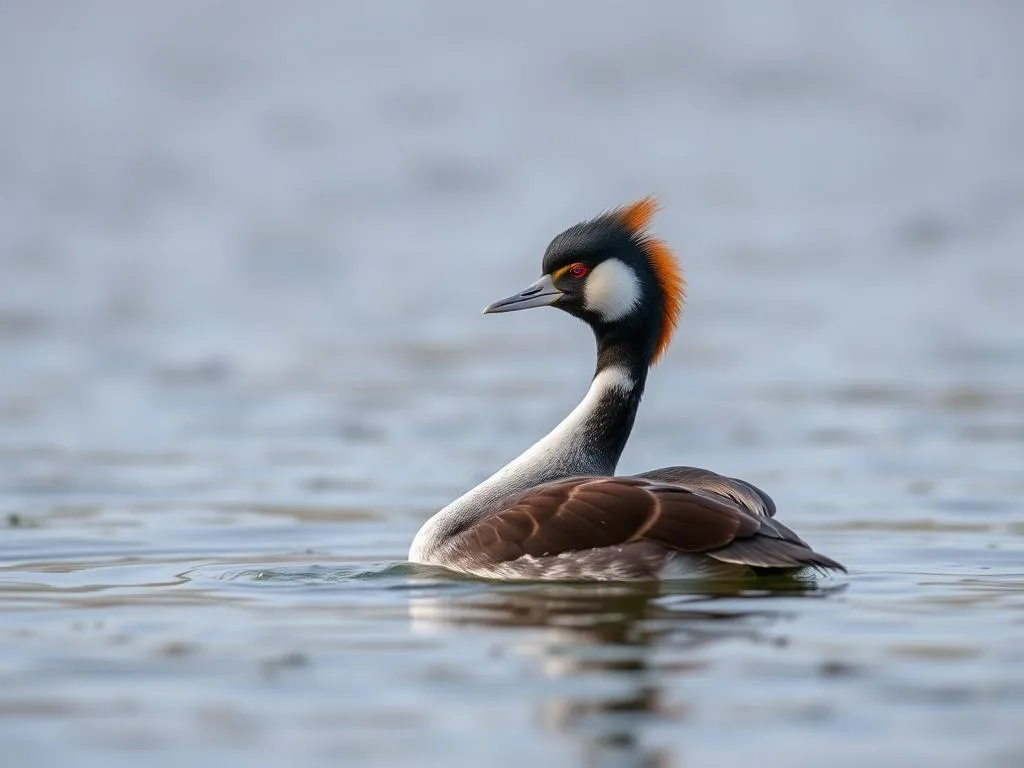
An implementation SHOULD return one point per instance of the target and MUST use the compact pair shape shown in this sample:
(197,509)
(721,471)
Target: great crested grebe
(558,511)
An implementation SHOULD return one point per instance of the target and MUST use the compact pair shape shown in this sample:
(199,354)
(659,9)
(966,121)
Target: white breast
(553,456)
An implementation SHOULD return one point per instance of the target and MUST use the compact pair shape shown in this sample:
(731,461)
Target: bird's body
(558,511)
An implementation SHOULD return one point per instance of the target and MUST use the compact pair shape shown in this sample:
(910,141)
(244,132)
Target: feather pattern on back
(672,512)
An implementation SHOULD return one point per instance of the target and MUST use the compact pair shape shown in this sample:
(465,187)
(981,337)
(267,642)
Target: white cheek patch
(612,290)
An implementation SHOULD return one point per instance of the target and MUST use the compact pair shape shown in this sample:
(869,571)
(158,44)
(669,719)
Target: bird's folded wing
(748,496)
(585,513)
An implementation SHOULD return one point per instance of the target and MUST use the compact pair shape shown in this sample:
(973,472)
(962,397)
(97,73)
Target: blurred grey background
(263,187)
(222,219)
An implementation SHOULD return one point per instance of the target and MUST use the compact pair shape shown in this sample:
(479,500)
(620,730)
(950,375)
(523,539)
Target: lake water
(244,253)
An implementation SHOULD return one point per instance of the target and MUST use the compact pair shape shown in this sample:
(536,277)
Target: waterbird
(558,511)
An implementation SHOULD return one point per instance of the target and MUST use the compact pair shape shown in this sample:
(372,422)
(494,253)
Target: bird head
(614,275)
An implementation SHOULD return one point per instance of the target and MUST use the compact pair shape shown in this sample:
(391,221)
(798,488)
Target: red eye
(578,270)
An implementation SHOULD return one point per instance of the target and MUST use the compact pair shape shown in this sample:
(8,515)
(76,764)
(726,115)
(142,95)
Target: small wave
(301,574)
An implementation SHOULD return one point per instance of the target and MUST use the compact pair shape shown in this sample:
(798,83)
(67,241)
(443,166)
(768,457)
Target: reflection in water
(619,642)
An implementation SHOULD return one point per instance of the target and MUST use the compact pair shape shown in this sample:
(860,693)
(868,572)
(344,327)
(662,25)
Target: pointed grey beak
(541,294)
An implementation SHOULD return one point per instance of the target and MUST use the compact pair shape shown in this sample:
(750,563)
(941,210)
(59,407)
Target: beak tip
(541,294)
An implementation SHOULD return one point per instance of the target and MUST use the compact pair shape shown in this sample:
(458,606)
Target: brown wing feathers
(587,513)
(743,493)
(565,515)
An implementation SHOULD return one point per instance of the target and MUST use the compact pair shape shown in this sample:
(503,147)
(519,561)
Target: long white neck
(588,441)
